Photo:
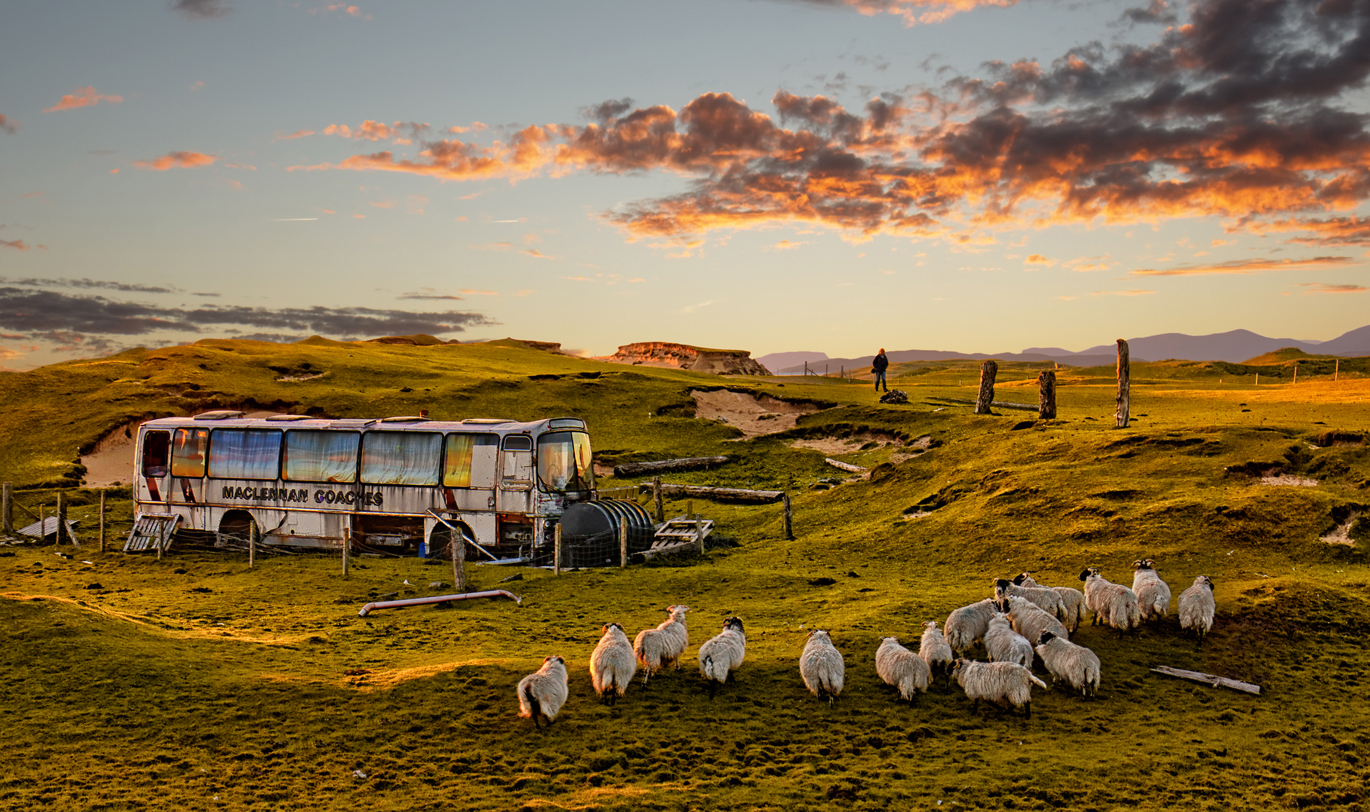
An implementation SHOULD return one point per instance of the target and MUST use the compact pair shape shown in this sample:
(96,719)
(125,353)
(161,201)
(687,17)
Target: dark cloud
(431,297)
(78,343)
(88,284)
(606,112)
(202,9)
(41,311)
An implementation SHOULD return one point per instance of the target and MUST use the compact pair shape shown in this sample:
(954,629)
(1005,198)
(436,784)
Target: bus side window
(156,445)
(188,452)
(458,459)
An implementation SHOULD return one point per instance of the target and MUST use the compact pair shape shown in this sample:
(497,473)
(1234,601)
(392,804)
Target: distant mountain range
(1234,347)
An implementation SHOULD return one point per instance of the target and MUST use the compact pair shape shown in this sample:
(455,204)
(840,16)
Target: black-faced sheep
(1046,598)
(722,654)
(1153,594)
(966,626)
(612,664)
(934,650)
(1001,683)
(1073,664)
(821,666)
(1197,607)
(543,692)
(1005,645)
(1111,603)
(901,668)
(1029,620)
(665,645)
(1072,600)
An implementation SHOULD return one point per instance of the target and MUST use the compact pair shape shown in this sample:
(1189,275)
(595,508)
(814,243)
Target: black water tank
(589,532)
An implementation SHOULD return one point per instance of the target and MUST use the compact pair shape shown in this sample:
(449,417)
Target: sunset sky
(769,175)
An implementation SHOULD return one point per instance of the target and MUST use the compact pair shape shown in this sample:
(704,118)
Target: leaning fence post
(622,543)
(252,545)
(8,509)
(1046,395)
(988,370)
(459,561)
(1124,383)
(347,546)
(556,550)
(102,521)
(656,500)
(789,518)
(61,517)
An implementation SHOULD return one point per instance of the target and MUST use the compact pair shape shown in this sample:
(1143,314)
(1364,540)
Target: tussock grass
(133,683)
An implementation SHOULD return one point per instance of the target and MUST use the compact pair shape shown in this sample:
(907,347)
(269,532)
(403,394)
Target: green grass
(133,683)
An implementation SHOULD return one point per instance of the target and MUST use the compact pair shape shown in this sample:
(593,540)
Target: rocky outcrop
(683,356)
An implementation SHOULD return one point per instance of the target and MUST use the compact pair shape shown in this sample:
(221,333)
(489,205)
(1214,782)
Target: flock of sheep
(1023,622)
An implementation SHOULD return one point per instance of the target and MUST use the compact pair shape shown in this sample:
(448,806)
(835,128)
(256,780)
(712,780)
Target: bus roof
(483,425)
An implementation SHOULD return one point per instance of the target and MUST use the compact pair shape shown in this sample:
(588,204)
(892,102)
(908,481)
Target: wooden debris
(845,466)
(684,464)
(1224,682)
(721,494)
(679,535)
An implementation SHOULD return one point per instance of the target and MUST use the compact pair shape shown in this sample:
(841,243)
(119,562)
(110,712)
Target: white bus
(394,484)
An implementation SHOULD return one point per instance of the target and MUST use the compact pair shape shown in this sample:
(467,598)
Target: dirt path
(753,415)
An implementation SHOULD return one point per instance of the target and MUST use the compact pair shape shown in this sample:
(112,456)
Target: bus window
(518,442)
(156,445)
(320,456)
(244,454)
(401,457)
(456,458)
(564,461)
(188,452)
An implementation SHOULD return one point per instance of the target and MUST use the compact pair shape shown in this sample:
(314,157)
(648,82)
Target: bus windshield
(564,461)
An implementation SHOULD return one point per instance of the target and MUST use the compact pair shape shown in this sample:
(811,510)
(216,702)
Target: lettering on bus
(302,495)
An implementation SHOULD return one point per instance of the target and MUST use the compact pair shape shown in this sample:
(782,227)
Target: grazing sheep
(1029,620)
(612,664)
(1197,607)
(966,626)
(1005,645)
(1072,600)
(934,650)
(1046,598)
(722,654)
(901,668)
(1000,683)
(1153,594)
(821,666)
(664,645)
(1112,603)
(543,692)
(1070,663)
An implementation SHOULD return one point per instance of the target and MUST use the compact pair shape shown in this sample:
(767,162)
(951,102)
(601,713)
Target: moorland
(197,682)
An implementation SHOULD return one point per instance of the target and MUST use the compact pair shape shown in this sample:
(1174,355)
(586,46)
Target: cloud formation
(1248,266)
(88,284)
(83,97)
(202,9)
(1323,287)
(172,160)
(912,11)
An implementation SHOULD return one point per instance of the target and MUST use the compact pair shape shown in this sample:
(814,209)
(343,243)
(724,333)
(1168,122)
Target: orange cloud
(1248,266)
(1038,259)
(181,160)
(294,135)
(1321,287)
(83,97)
(20,245)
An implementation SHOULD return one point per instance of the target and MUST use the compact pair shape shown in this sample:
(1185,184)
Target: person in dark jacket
(878,366)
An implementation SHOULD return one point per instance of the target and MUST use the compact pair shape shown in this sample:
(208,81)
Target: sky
(768,175)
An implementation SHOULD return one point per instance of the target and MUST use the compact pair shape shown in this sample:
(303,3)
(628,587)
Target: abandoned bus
(395,484)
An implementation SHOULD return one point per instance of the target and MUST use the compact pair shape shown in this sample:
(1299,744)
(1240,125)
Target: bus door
(154,483)
(470,464)
(515,492)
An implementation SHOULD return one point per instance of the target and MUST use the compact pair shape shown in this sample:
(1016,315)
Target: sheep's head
(677,611)
(1042,641)
(930,625)
(1092,572)
(821,635)
(1005,605)
(1205,580)
(607,626)
(555,658)
(1020,578)
(1143,564)
(956,667)
(733,623)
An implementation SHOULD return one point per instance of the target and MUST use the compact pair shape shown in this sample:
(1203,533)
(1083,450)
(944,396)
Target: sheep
(612,665)
(1029,620)
(543,692)
(966,626)
(722,654)
(934,650)
(1000,683)
(1005,645)
(1114,603)
(901,668)
(821,666)
(1046,599)
(1197,607)
(1153,594)
(664,645)
(1072,600)
(1070,663)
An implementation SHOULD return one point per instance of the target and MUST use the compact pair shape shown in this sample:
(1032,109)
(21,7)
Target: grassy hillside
(196,682)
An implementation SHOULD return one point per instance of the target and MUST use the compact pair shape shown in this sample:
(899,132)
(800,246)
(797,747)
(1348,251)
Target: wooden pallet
(677,535)
(152,531)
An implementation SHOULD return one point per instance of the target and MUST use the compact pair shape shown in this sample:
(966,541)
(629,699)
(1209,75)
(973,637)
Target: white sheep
(1046,598)
(1071,663)
(1197,607)
(934,650)
(664,645)
(612,664)
(821,666)
(1029,620)
(1000,683)
(966,626)
(1112,603)
(543,692)
(722,654)
(901,668)
(1072,600)
(1153,594)
(1005,645)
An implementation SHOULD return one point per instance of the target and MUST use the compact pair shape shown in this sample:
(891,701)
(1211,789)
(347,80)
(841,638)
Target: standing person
(878,366)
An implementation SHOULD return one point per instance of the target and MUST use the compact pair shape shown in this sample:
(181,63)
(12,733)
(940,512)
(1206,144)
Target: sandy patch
(1286,479)
(1341,534)
(753,415)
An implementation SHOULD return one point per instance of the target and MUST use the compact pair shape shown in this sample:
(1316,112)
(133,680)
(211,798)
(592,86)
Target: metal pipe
(491,593)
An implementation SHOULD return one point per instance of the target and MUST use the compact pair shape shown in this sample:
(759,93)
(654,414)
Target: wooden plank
(682,464)
(1224,682)
(845,466)
(721,494)
(1000,404)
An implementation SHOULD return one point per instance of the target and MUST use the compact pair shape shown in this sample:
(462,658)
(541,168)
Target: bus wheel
(439,543)
(235,529)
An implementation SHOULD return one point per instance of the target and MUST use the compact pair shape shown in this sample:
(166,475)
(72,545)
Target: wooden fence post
(102,521)
(42,523)
(988,371)
(1296,372)
(458,547)
(1046,395)
(61,517)
(556,550)
(8,509)
(656,500)
(1335,374)
(789,518)
(347,547)
(1124,384)
(699,534)
(252,544)
(622,543)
